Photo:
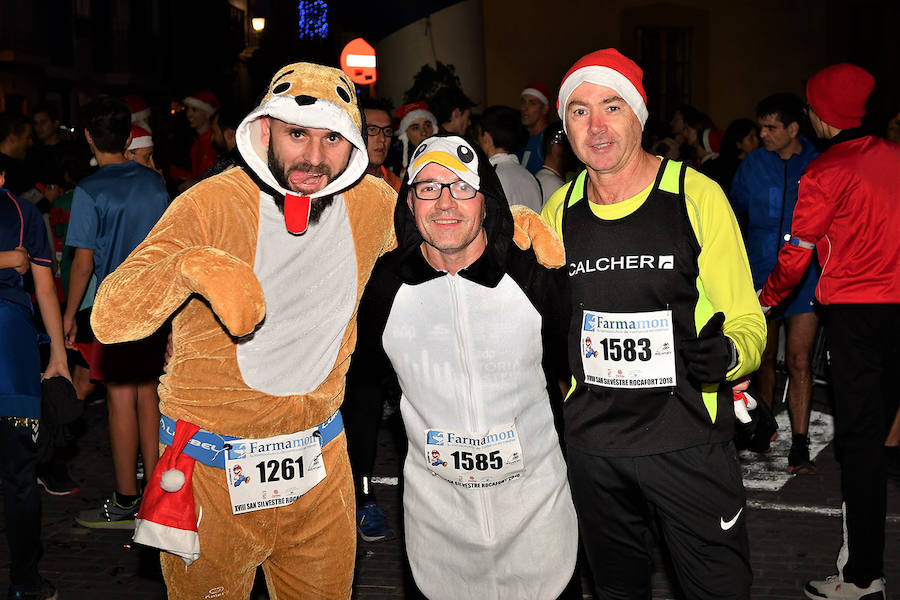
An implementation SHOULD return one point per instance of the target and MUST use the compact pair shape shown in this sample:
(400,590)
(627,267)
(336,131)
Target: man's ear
(266,130)
(545,110)
(455,114)
(793,129)
(127,143)
(90,140)
(486,141)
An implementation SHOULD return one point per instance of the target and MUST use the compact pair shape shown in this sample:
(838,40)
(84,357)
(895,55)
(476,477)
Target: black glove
(709,357)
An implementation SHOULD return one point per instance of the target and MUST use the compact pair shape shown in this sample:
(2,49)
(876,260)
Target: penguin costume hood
(306,95)
(472,166)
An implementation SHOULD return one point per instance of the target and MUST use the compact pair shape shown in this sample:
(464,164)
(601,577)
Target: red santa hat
(140,111)
(611,69)
(203,100)
(167,519)
(712,139)
(538,90)
(140,138)
(838,94)
(407,114)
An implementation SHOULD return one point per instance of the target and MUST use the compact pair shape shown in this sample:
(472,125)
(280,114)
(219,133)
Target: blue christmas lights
(313,19)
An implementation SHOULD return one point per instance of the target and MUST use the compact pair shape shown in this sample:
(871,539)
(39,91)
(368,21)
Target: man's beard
(317,205)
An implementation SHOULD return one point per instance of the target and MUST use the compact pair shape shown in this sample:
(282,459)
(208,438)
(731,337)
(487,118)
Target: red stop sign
(358,61)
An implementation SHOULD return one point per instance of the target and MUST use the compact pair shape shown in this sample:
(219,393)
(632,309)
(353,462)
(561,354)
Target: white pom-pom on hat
(172,480)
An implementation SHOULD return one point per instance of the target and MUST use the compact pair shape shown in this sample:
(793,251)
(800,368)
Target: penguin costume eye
(281,87)
(421,150)
(465,154)
(343,93)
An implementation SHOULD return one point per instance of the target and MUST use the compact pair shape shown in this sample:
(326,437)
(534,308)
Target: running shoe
(835,588)
(43,591)
(798,457)
(372,524)
(56,481)
(110,515)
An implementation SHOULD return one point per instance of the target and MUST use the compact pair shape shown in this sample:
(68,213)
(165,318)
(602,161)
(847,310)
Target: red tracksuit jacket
(848,208)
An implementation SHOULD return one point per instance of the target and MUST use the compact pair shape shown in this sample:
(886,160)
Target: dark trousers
(693,498)
(864,343)
(362,417)
(362,410)
(21,501)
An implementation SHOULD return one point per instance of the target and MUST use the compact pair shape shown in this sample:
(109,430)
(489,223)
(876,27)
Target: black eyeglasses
(373,130)
(432,190)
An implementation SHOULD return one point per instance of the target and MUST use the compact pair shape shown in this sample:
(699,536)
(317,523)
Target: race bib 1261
(475,460)
(274,471)
(628,350)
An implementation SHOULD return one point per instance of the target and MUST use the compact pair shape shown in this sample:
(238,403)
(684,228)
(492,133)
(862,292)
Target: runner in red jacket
(848,209)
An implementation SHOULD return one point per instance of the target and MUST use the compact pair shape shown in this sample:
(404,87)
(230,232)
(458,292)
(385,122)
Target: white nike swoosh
(726,525)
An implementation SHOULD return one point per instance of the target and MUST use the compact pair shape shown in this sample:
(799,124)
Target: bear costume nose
(304,100)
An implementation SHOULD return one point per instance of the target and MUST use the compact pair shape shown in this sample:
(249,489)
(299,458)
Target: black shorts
(130,362)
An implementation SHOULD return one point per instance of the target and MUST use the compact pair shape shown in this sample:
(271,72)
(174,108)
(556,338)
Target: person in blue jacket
(24,247)
(763,194)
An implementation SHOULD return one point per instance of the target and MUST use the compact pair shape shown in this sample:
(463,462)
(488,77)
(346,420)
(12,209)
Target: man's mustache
(307,167)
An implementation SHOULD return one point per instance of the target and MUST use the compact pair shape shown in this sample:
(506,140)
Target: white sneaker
(833,587)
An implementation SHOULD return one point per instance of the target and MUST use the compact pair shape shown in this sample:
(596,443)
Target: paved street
(794,530)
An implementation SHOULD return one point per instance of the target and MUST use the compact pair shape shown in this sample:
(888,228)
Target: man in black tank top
(663,314)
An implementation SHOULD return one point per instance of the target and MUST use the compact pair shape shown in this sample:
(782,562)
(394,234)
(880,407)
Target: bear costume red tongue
(296,213)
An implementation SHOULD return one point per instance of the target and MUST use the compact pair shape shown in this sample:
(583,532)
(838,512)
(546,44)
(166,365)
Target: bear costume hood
(313,96)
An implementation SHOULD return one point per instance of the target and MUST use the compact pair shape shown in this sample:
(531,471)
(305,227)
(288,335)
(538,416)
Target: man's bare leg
(892,450)
(82,382)
(893,436)
(801,335)
(764,378)
(148,424)
(122,402)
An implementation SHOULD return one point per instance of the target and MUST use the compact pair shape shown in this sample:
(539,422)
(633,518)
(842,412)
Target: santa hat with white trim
(609,68)
(203,100)
(539,90)
(407,114)
(167,519)
(140,138)
(140,111)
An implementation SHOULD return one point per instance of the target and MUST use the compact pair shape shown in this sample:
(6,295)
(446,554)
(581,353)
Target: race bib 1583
(628,350)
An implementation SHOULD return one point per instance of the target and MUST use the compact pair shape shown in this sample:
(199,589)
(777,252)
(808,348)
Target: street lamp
(259,23)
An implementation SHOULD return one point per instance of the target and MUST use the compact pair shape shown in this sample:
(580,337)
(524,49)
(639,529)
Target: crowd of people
(560,301)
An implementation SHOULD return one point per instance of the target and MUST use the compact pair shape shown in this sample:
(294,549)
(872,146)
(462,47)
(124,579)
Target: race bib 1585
(475,460)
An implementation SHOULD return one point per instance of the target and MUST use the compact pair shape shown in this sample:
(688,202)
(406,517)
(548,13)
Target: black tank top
(642,264)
